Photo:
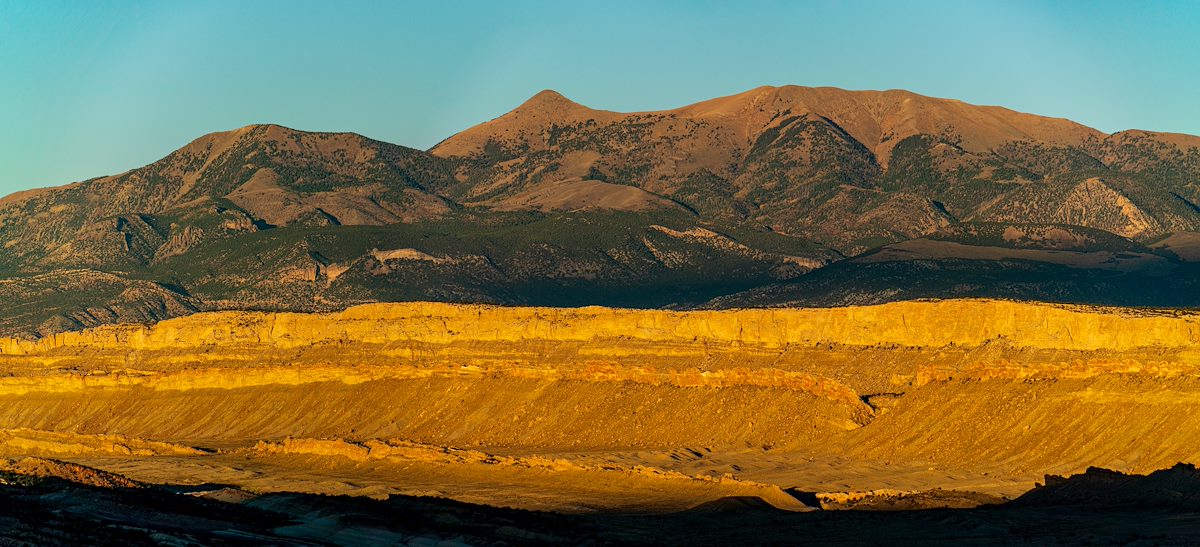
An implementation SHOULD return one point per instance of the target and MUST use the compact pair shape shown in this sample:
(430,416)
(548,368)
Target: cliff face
(908,324)
(545,376)
(992,393)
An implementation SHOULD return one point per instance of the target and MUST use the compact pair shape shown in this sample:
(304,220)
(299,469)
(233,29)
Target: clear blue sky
(94,88)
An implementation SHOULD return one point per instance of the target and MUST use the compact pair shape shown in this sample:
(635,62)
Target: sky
(95,88)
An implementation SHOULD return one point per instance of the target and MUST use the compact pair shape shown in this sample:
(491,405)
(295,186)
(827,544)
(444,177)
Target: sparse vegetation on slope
(558,204)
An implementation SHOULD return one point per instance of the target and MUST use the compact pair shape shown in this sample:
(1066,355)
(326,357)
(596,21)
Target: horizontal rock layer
(914,383)
(913,324)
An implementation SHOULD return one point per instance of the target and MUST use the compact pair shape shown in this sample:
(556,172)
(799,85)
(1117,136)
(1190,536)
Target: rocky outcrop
(933,324)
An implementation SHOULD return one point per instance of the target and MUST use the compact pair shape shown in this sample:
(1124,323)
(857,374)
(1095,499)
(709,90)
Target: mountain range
(776,196)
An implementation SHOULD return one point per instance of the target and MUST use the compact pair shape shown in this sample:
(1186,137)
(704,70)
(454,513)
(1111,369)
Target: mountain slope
(769,197)
(267,217)
(850,169)
(218,186)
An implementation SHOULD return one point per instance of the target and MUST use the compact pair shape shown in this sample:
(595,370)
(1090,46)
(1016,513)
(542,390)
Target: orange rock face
(973,394)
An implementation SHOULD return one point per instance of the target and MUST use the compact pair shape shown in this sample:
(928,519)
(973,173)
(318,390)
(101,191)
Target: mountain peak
(270,132)
(549,101)
(548,94)
(544,109)
(276,137)
(218,141)
(218,163)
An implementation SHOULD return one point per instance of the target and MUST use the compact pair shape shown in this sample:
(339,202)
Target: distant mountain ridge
(555,203)
(849,169)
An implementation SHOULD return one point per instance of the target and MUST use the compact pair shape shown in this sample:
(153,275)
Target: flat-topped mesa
(917,324)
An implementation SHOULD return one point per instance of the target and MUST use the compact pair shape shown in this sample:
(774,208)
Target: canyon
(603,411)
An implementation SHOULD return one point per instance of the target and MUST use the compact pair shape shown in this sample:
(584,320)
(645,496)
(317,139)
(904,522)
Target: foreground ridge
(607,412)
(823,380)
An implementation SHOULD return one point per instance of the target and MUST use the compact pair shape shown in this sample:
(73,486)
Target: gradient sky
(95,88)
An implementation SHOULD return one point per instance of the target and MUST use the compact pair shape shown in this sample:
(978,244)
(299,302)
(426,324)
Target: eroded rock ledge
(1052,387)
(910,324)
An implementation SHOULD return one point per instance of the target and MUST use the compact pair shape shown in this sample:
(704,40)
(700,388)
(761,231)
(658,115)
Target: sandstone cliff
(921,381)
(931,324)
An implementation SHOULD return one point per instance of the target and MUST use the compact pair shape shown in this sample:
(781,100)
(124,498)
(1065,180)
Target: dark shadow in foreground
(1097,507)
